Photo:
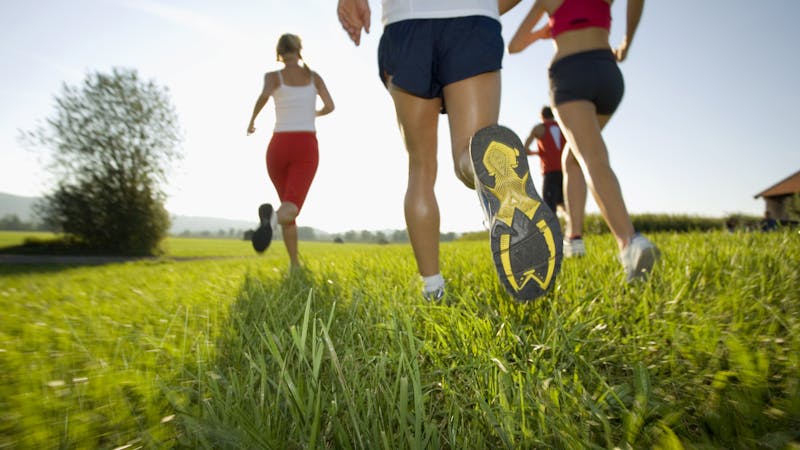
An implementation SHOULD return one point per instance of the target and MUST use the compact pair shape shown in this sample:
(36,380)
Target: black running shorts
(553,189)
(592,75)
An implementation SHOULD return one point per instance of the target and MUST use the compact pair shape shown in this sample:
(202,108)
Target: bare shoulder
(271,81)
(271,76)
(318,81)
(538,130)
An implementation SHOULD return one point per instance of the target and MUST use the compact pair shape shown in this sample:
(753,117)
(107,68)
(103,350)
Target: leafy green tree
(112,140)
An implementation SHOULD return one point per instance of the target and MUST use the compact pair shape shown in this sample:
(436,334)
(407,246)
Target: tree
(112,140)
(12,222)
(400,236)
(305,234)
(366,236)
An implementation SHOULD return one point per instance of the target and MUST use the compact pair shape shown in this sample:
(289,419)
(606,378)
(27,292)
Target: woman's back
(579,25)
(295,100)
(295,76)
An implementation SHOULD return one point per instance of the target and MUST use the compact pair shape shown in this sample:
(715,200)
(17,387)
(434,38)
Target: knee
(287,213)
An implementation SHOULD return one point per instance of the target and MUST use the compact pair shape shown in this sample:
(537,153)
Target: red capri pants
(292,159)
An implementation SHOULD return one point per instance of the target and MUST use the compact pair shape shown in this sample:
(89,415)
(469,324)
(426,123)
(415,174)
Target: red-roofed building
(777,197)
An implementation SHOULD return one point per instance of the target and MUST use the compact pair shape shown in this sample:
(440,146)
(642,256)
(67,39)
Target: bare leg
(471,104)
(582,127)
(574,194)
(418,120)
(290,241)
(286,214)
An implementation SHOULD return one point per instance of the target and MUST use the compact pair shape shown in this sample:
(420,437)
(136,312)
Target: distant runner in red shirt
(550,143)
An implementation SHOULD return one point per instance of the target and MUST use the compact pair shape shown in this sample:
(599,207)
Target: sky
(708,119)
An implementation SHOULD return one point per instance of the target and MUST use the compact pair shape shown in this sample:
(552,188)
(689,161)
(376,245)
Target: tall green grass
(346,354)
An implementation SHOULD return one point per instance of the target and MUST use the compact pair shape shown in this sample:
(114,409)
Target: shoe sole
(262,236)
(525,235)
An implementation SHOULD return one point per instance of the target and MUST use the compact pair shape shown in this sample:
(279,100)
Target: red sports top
(550,147)
(577,14)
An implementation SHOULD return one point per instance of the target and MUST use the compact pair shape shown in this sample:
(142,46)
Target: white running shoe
(574,247)
(638,258)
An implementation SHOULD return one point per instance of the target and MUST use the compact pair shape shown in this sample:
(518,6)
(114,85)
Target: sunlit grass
(238,353)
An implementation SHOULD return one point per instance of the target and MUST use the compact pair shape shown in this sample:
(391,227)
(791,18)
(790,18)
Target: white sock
(433,283)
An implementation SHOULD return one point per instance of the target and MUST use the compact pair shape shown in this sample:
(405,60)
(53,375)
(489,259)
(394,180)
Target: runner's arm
(270,83)
(634,15)
(327,100)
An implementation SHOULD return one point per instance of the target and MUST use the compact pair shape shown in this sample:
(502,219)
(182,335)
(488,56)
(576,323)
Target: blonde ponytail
(291,43)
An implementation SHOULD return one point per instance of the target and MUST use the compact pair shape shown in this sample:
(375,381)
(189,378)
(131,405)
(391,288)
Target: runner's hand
(354,15)
(621,52)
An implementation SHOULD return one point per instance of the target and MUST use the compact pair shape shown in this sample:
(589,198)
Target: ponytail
(291,43)
(305,64)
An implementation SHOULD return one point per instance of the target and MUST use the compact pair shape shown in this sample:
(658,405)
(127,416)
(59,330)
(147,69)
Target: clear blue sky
(708,119)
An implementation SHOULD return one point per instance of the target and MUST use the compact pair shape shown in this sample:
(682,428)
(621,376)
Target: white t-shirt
(397,10)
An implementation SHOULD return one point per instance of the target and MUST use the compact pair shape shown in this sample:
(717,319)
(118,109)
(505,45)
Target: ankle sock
(433,283)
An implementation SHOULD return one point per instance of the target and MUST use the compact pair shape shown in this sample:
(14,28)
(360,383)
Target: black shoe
(525,234)
(263,234)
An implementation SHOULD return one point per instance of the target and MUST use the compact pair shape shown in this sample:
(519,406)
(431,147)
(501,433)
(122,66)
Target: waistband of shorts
(295,133)
(599,54)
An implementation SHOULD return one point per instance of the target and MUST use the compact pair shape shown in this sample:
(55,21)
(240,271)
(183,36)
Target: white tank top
(295,106)
(397,10)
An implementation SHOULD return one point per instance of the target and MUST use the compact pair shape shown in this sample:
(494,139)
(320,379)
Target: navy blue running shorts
(422,56)
(593,75)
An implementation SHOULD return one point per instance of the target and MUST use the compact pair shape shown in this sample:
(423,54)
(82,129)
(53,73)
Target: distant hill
(193,224)
(22,207)
(16,205)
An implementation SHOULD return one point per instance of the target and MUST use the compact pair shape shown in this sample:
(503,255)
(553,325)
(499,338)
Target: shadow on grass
(234,399)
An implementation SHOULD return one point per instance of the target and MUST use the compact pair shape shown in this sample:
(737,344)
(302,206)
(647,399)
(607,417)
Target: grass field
(238,353)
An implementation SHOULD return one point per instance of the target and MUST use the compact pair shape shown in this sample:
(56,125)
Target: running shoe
(262,236)
(525,234)
(638,258)
(574,247)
